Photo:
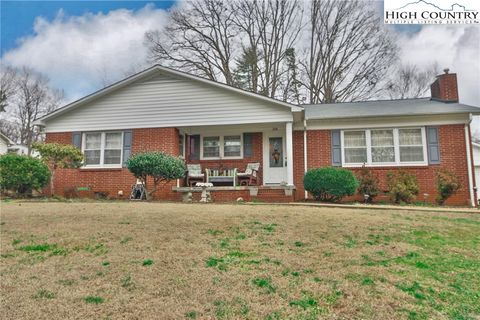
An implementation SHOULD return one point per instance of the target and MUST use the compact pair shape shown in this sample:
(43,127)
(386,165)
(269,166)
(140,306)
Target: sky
(83,45)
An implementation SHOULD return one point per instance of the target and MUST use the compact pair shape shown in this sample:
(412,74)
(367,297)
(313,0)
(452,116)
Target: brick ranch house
(218,126)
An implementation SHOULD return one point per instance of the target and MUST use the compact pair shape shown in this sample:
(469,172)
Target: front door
(275,170)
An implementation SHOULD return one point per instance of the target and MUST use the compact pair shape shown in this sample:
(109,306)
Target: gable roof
(385,108)
(149,72)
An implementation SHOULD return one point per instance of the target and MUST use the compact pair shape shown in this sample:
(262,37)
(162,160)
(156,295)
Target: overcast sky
(81,45)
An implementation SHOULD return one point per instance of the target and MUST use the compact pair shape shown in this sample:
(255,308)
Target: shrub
(368,183)
(330,184)
(447,185)
(56,156)
(402,186)
(157,165)
(22,174)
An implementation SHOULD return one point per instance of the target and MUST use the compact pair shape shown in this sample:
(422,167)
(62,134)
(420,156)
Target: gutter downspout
(305,150)
(469,161)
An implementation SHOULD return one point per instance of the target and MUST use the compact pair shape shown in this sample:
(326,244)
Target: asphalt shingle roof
(385,108)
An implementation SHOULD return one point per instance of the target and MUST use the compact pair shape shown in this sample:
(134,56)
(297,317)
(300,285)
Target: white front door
(274,166)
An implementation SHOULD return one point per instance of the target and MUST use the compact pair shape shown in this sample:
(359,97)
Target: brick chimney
(445,87)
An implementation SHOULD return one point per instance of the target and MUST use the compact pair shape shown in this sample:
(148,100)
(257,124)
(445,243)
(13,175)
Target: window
(113,148)
(232,146)
(103,149)
(93,146)
(211,147)
(377,147)
(215,147)
(181,145)
(355,147)
(411,145)
(383,147)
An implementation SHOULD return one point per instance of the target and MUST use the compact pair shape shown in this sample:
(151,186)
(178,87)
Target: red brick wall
(452,153)
(114,180)
(240,164)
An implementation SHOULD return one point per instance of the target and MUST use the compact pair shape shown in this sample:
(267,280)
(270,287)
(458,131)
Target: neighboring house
(4,143)
(216,125)
(21,149)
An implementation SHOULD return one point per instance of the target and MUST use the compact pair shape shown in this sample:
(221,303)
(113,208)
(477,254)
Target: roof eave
(393,115)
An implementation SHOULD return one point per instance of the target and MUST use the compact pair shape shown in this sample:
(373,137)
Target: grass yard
(178,261)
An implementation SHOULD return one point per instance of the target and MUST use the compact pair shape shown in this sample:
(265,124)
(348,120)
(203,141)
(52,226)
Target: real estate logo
(432,11)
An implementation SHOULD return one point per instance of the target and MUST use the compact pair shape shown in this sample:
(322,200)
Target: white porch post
(289,142)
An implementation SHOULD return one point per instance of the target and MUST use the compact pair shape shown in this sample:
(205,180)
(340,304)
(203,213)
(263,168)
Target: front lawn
(178,261)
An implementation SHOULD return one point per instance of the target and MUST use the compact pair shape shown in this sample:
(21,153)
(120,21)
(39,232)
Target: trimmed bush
(157,165)
(402,186)
(330,184)
(22,174)
(56,156)
(368,183)
(447,185)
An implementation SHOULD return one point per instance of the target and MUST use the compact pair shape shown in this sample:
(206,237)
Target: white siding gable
(167,101)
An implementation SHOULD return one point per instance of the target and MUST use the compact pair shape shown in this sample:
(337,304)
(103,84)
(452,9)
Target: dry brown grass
(235,262)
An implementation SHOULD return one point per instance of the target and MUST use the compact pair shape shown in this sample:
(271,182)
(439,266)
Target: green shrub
(402,186)
(22,174)
(157,165)
(56,155)
(330,184)
(368,183)
(447,185)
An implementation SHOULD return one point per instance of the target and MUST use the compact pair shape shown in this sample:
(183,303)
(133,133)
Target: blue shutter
(127,146)
(433,145)
(336,149)
(77,139)
(247,145)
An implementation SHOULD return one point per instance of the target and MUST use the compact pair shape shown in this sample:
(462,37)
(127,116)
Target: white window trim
(396,141)
(102,150)
(221,146)
(182,150)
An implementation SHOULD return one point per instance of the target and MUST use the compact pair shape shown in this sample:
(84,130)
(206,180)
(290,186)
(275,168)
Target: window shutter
(336,149)
(433,145)
(248,145)
(195,147)
(77,139)
(127,146)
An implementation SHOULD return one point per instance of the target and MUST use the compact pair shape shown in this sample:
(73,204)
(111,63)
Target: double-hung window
(181,145)
(103,149)
(211,147)
(411,145)
(384,147)
(215,147)
(232,146)
(355,149)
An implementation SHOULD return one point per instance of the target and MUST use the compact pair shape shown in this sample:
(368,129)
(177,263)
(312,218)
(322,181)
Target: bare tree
(270,28)
(409,81)
(198,39)
(32,99)
(349,53)
(7,86)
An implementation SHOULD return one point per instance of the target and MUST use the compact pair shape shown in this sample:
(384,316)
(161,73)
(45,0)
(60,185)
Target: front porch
(221,154)
(245,193)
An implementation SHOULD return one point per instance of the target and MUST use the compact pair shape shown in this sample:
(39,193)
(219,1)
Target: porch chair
(249,177)
(194,174)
